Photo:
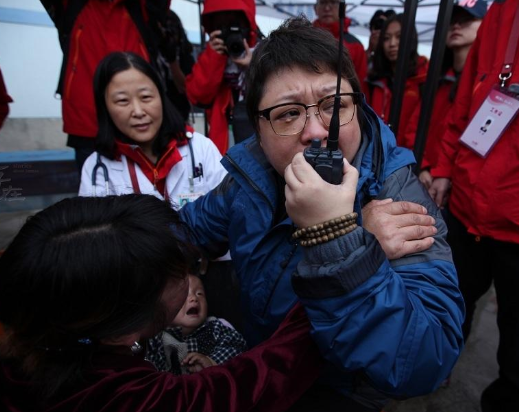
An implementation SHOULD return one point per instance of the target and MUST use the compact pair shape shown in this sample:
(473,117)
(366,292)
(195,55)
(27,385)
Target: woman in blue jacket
(388,318)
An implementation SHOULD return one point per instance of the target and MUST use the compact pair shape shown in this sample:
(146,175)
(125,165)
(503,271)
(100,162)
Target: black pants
(83,146)
(479,261)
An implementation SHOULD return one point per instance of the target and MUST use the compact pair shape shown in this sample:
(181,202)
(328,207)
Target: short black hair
(382,67)
(172,123)
(87,268)
(296,43)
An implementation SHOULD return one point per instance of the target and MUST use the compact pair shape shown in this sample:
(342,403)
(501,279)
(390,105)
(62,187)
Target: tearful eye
(287,115)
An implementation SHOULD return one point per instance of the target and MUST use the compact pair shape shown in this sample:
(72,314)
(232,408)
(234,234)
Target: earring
(136,348)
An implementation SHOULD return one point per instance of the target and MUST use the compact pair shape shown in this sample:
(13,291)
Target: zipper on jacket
(251,182)
(74,60)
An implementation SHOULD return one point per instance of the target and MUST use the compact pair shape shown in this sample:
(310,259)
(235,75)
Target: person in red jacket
(327,12)
(375,25)
(379,84)
(484,196)
(89,30)
(463,28)
(5,99)
(216,81)
(86,282)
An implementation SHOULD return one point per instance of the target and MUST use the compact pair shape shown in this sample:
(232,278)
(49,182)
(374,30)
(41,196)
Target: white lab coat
(178,185)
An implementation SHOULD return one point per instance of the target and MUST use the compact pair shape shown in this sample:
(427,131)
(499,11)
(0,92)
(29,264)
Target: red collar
(156,173)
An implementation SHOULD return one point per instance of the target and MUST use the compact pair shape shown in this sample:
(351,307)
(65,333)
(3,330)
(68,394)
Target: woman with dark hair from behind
(380,81)
(143,140)
(86,282)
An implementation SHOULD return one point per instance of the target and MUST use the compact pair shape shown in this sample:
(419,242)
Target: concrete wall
(27,134)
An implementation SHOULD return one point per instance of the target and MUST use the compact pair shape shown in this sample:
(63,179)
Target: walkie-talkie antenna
(333,134)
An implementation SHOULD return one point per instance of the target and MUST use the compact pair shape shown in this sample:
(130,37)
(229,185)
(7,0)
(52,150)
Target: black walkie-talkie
(328,161)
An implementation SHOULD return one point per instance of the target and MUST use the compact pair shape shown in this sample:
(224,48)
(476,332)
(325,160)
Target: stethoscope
(100,164)
(197,171)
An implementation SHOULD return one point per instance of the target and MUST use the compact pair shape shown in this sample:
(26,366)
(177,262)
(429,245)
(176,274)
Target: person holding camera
(375,25)
(216,82)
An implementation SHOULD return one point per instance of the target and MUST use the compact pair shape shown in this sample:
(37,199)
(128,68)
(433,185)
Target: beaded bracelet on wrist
(333,224)
(327,237)
(328,230)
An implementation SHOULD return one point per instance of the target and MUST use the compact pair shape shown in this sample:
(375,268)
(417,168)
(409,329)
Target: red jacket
(485,191)
(100,28)
(379,98)
(269,378)
(205,85)
(443,103)
(354,46)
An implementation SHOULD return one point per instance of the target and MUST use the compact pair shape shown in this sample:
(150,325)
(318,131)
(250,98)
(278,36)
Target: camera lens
(234,44)
(233,39)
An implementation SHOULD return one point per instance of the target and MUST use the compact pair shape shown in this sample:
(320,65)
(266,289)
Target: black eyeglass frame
(265,113)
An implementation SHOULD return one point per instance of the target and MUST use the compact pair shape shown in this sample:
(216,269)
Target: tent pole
(402,64)
(431,84)
(202,45)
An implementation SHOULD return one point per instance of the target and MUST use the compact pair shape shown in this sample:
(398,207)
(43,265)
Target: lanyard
(135,182)
(511,49)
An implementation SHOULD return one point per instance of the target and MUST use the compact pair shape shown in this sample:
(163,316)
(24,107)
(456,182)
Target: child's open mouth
(192,311)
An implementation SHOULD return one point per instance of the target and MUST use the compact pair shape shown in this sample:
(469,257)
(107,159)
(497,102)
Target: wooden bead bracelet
(328,237)
(343,221)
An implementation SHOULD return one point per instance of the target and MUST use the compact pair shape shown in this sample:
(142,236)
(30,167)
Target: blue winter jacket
(395,323)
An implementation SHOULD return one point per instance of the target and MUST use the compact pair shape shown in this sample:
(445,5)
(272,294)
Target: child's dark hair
(84,270)
(172,123)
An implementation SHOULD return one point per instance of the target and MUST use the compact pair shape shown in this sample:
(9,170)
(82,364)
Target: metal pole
(431,84)
(402,64)
(202,45)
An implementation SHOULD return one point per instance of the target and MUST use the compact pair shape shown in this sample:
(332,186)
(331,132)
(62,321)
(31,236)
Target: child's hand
(195,362)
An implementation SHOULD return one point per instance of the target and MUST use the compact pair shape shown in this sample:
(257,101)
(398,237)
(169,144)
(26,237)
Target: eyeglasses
(329,3)
(290,118)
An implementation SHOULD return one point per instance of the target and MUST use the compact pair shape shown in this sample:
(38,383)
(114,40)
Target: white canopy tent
(270,13)
(360,12)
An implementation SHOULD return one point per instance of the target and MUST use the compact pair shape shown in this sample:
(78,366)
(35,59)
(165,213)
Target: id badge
(183,199)
(490,121)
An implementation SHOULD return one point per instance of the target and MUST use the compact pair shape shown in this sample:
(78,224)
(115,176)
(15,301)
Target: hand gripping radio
(328,161)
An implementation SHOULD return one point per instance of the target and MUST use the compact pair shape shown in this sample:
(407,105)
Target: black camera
(377,24)
(233,38)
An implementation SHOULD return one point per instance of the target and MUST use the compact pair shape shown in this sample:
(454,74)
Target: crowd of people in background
(346,295)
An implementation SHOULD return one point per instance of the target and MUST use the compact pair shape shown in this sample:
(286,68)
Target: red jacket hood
(248,7)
